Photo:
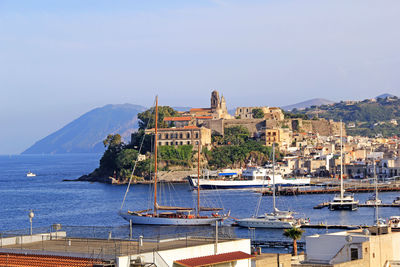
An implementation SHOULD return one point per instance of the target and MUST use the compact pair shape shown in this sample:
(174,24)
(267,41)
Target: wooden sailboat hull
(150,220)
(264,223)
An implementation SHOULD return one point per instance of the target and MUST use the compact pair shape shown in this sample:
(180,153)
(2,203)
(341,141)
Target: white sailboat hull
(149,220)
(264,223)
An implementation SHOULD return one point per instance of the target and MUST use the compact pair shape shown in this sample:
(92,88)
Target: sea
(94,204)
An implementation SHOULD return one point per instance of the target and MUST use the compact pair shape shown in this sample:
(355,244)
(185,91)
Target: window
(159,136)
(197,135)
(172,143)
(197,142)
(166,136)
(354,254)
(181,143)
(188,135)
(159,143)
(274,134)
(180,136)
(176,143)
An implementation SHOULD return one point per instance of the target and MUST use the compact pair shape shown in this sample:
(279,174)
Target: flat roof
(107,248)
(214,259)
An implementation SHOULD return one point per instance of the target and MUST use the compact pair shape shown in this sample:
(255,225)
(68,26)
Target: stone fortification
(322,127)
(255,126)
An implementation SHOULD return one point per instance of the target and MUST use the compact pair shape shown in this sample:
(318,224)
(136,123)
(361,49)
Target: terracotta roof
(200,109)
(177,118)
(190,127)
(214,259)
(203,117)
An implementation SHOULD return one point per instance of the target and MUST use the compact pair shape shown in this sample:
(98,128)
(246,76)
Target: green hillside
(371,117)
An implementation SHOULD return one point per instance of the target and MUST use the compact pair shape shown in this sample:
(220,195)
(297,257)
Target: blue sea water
(95,204)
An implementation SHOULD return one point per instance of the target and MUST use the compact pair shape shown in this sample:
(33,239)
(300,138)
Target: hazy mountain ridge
(308,103)
(86,133)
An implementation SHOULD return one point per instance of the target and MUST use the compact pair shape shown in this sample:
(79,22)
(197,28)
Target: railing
(96,242)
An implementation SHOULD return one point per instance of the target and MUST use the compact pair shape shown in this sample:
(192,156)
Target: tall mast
(341,162)
(273,174)
(155,160)
(376,192)
(198,179)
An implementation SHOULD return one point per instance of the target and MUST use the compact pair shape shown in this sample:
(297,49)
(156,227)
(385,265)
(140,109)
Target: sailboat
(276,219)
(344,201)
(167,215)
(374,200)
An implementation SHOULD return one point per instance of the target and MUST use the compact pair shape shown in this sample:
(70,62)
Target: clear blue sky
(59,59)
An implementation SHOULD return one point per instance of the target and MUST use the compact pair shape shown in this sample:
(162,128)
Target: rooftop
(214,259)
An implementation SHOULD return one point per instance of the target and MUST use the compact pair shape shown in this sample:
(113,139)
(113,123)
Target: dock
(292,191)
(326,204)
(333,226)
(277,244)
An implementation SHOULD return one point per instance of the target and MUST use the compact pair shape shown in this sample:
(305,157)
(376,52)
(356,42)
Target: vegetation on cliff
(370,117)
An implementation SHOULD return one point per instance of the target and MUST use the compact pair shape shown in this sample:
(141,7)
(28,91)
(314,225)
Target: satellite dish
(366,232)
(349,238)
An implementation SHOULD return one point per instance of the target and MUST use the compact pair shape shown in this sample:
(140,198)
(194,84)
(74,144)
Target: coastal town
(309,147)
(205,133)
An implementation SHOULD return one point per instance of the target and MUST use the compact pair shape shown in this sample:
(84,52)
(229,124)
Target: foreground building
(364,248)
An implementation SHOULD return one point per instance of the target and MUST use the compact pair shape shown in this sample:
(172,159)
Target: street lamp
(31,215)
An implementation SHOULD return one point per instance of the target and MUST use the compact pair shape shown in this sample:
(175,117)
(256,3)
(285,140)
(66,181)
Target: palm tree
(295,234)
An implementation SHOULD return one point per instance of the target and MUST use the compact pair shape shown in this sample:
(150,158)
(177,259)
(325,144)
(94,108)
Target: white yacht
(343,201)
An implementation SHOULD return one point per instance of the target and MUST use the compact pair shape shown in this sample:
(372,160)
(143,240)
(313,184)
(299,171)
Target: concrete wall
(272,260)
(31,238)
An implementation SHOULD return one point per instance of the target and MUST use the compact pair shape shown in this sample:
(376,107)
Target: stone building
(187,135)
(280,136)
(270,113)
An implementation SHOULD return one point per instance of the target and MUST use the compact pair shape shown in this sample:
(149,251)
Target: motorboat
(373,200)
(394,222)
(30,174)
(396,201)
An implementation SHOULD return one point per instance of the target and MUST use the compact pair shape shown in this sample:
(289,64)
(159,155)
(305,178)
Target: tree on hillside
(147,118)
(258,113)
(294,234)
(114,145)
(236,135)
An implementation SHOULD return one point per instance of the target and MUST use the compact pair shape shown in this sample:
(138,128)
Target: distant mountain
(384,96)
(86,134)
(308,103)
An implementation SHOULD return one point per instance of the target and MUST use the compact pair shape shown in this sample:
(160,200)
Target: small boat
(396,201)
(373,200)
(394,222)
(30,174)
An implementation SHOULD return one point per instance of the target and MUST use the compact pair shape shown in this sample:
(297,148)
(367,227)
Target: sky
(60,59)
